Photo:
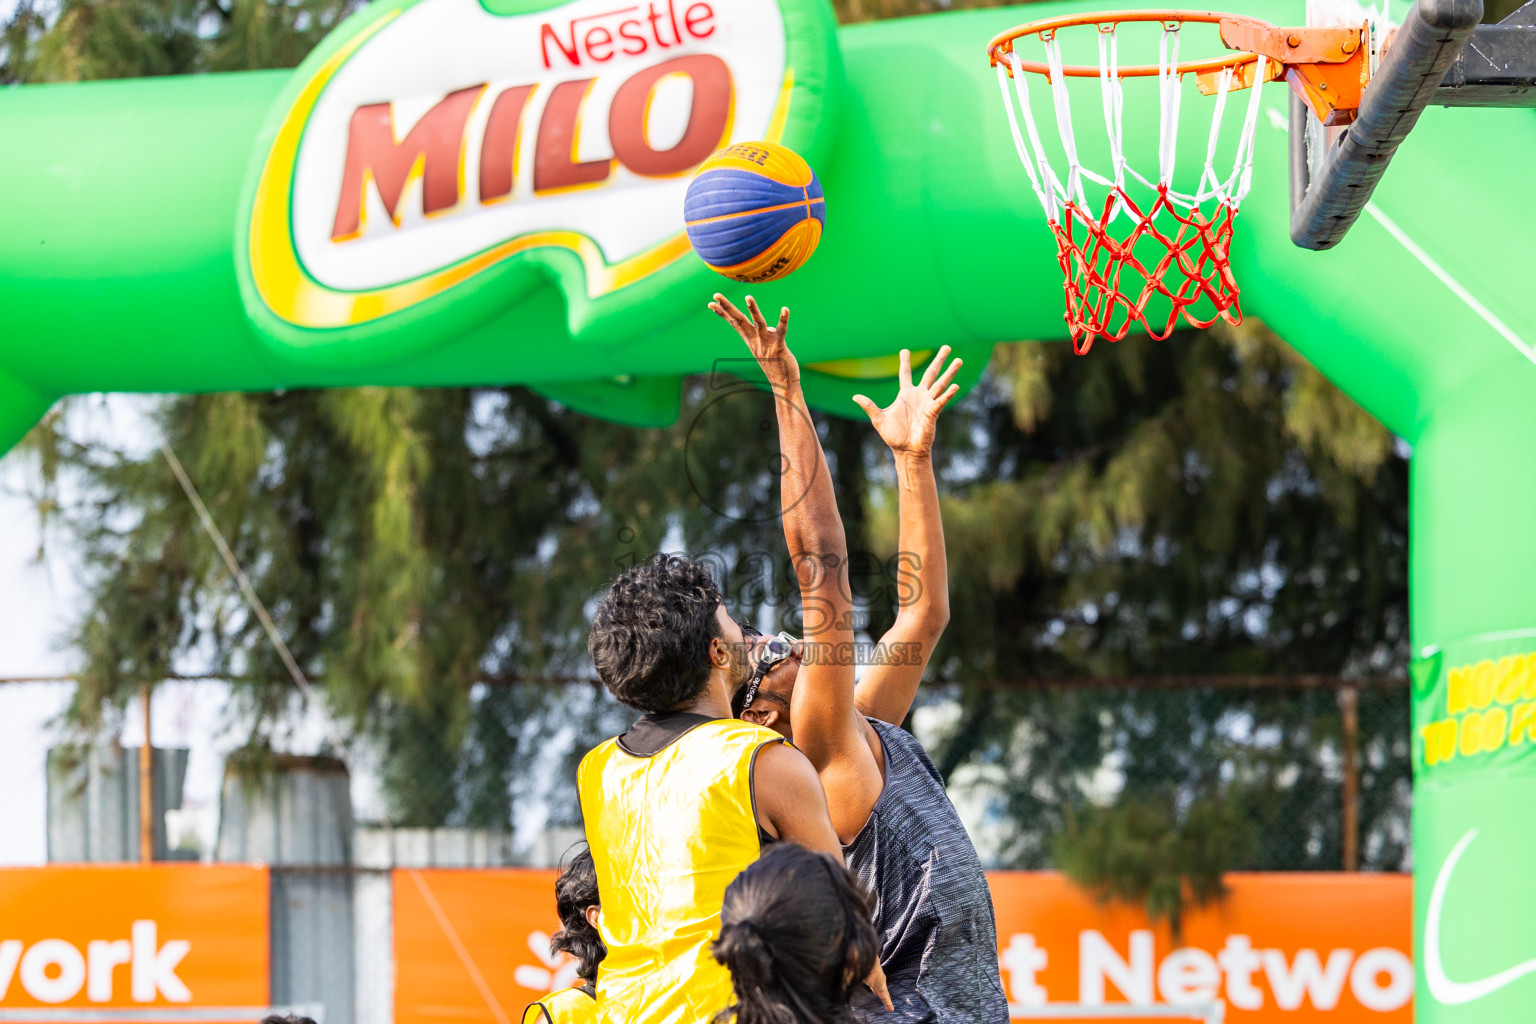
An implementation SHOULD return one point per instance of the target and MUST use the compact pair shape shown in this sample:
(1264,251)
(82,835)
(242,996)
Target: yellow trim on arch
(297,298)
(780,109)
(871,367)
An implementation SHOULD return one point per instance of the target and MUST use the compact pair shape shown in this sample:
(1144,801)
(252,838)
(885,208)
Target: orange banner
(1280,947)
(133,937)
(473,946)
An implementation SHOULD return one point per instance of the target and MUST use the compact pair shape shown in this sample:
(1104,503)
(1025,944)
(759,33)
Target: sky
(34,601)
(38,595)
(34,595)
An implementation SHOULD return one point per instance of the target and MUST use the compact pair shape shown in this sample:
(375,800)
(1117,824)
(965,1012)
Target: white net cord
(1025,157)
(1242,167)
(1112,94)
(1168,92)
(1208,175)
(1053,190)
(1062,100)
(1171,262)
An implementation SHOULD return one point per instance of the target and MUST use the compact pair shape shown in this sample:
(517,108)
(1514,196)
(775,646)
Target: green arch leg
(1473,551)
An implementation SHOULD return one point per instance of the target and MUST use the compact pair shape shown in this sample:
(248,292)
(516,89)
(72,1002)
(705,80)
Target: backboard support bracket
(1337,182)
(1496,67)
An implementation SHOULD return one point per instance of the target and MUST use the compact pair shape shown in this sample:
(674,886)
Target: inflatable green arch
(418,204)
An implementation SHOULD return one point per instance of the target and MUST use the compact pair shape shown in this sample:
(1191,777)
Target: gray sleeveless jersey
(932,907)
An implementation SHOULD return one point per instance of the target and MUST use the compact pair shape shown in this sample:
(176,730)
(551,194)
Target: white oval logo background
(437,47)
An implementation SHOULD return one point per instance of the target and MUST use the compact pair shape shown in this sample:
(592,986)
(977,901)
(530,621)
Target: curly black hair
(650,636)
(575,891)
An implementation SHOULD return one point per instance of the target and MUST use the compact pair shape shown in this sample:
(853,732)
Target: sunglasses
(773,650)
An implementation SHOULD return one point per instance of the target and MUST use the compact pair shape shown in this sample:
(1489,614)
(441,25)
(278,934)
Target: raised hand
(908,424)
(766,343)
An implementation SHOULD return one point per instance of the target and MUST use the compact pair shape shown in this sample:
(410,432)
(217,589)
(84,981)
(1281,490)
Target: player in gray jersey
(901,836)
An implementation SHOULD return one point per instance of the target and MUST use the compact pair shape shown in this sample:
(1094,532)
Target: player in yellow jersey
(576,901)
(676,807)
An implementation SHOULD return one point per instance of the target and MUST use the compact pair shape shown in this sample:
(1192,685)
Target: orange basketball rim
(1150,254)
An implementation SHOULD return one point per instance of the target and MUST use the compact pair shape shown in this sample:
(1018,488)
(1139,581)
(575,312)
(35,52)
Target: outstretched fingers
(949,375)
(904,377)
(943,400)
(873,411)
(725,308)
(934,366)
(783,320)
(757,314)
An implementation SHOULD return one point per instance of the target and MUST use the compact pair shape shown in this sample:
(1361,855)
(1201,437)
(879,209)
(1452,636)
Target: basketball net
(1183,238)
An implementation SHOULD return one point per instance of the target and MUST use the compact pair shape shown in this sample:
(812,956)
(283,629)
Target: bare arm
(908,426)
(792,806)
(828,727)
(790,802)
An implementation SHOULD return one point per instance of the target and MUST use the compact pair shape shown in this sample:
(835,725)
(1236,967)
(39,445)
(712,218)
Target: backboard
(1440,55)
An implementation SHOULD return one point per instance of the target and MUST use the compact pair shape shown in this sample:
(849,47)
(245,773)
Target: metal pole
(1349,703)
(146,787)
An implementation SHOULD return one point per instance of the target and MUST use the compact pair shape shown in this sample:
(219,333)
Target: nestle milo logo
(630,30)
(434,148)
(438,138)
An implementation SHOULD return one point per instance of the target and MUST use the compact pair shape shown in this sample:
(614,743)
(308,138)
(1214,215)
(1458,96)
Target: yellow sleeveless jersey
(568,1006)
(668,833)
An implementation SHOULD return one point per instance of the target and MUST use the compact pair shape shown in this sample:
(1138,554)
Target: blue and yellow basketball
(754,211)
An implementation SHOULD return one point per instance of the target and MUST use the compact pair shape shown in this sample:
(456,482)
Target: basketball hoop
(1168,248)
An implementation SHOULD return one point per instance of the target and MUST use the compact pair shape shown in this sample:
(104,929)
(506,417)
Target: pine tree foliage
(1146,853)
(1210,504)
(84,40)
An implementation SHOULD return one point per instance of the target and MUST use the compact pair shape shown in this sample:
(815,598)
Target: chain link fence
(502,766)
(1312,777)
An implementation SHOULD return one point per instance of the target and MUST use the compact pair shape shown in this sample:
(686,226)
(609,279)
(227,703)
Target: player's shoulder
(596,755)
(781,760)
(600,750)
(574,1005)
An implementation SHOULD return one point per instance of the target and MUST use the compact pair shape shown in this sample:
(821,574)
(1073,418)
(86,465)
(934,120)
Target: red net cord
(1109,287)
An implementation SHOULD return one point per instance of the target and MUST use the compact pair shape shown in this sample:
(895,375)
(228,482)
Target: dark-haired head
(286,1018)
(576,901)
(796,936)
(651,637)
